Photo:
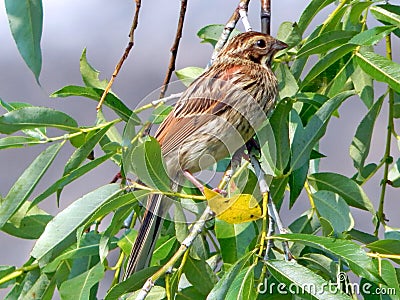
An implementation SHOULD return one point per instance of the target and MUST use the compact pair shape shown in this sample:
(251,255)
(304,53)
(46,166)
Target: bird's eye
(261,44)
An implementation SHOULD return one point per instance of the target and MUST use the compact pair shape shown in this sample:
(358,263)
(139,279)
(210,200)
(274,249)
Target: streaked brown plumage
(216,115)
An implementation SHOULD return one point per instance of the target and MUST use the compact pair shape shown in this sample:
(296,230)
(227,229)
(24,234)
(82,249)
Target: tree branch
(174,48)
(266,16)
(124,56)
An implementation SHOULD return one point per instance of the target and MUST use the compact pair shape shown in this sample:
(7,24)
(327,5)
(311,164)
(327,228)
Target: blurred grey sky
(102,27)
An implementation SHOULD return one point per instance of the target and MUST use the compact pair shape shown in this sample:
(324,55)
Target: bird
(216,115)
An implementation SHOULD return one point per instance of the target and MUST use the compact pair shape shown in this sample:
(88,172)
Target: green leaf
(221,288)
(37,133)
(156,293)
(289,33)
(350,252)
(79,286)
(18,142)
(160,113)
(287,83)
(363,85)
(61,231)
(25,184)
(296,182)
(211,33)
(357,9)
(33,117)
(234,239)
(310,12)
(348,189)
(111,100)
(333,208)
(26,21)
(387,14)
(189,74)
(360,145)
(380,68)
(387,246)
(362,237)
(80,154)
(66,179)
(133,283)
(200,275)
(279,122)
(27,223)
(90,75)
(394,174)
(326,62)
(146,161)
(292,275)
(371,36)
(325,42)
(304,141)
(243,285)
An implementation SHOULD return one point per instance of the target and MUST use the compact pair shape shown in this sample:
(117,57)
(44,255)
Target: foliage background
(101,26)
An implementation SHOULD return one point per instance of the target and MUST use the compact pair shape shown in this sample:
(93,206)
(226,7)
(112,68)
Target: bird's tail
(149,231)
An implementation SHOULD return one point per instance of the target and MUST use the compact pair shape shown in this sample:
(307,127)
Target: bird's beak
(279,45)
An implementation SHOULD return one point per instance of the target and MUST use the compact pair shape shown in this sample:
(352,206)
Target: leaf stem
(387,158)
(18,272)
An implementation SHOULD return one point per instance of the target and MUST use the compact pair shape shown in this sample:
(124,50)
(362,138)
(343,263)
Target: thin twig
(243,15)
(272,211)
(187,242)
(266,16)
(124,56)
(230,25)
(174,48)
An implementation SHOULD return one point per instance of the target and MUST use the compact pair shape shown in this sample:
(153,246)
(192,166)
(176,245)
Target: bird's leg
(189,176)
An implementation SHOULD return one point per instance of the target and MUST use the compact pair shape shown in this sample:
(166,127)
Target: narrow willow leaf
(33,117)
(18,142)
(310,12)
(200,275)
(357,9)
(360,145)
(347,188)
(234,239)
(288,32)
(80,154)
(26,21)
(27,223)
(350,252)
(327,61)
(160,113)
(145,160)
(296,182)
(37,133)
(300,278)
(60,232)
(394,174)
(41,288)
(325,42)
(211,33)
(221,288)
(189,74)
(25,184)
(287,83)
(133,283)
(371,36)
(387,13)
(279,122)
(387,246)
(79,286)
(363,85)
(380,68)
(66,179)
(90,75)
(333,208)
(243,285)
(304,141)
(111,100)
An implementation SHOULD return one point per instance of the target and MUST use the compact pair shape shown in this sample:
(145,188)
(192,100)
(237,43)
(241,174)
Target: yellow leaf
(237,209)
